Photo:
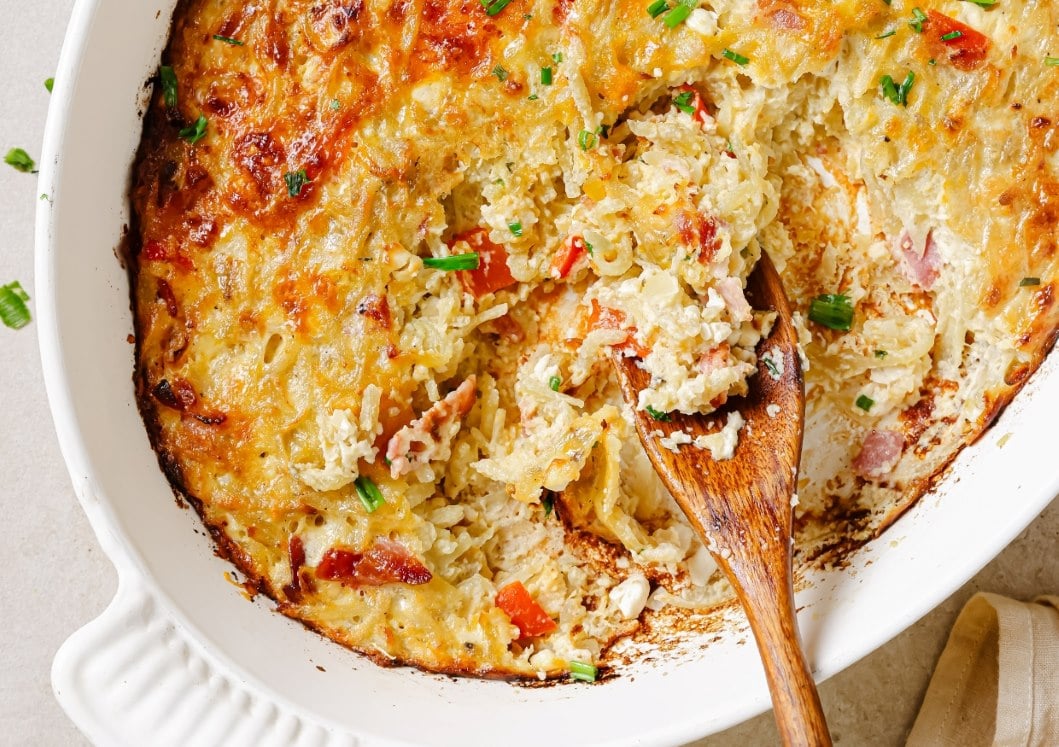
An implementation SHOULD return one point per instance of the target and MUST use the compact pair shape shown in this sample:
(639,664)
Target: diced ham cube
(879,453)
(731,290)
(921,267)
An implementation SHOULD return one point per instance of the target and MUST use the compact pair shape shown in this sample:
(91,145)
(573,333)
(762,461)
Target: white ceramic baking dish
(180,657)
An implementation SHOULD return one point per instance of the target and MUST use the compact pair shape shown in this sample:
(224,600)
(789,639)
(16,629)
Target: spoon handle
(763,583)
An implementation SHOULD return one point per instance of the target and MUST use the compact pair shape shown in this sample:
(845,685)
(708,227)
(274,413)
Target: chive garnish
(679,13)
(918,17)
(195,132)
(49,84)
(369,493)
(864,402)
(228,40)
(467,261)
(683,102)
(657,8)
(546,76)
(735,57)
(169,86)
(295,181)
(662,417)
(880,354)
(554,383)
(500,73)
(833,311)
(951,35)
(898,94)
(584,672)
(20,160)
(1051,61)
(492,7)
(886,34)
(13,310)
(515,228)
(1026,282)
(587,139)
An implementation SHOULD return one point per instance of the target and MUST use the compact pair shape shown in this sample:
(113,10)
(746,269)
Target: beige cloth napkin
(997,681)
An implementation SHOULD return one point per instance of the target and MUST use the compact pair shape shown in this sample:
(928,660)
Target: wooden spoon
(741,507)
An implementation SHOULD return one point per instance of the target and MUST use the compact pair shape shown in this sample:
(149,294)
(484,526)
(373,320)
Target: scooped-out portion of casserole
(384,250)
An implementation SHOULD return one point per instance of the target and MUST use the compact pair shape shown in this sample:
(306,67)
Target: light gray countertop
(55,577)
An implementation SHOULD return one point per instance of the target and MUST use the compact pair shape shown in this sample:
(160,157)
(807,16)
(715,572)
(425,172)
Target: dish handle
(133,676)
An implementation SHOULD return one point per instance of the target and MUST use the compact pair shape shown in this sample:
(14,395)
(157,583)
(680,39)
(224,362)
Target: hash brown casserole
(383,248)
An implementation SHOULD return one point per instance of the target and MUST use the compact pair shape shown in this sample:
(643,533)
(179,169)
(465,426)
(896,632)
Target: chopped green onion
(679,13)
(584,672)
(932,61)
(49,84)
(918,17)
(888,89)
(169,86)
(335,105)
(195,132)
(662,417)
(885,34)
(587,139)
(549,505)
(1026,282)
(906,86)
(554,383)
(467,261)
(1051,61)
(500,73)
(865,403)
(983,3)
(546,76)
(228,40)
(295,181)
(558,57)
(515,228)
(589,247)
(771,366)
(898,94)
(369,494)
(735,57)
(492,7)
(657,8)
(20,160)
(532,97)
(833,311)
(880,354)
(13,310)
(951,35)
(683,102)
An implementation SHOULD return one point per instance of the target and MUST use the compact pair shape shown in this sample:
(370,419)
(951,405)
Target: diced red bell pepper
(492,273)
(966,48)
(700,115)
(528,616)
(568,255)
(603,317)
